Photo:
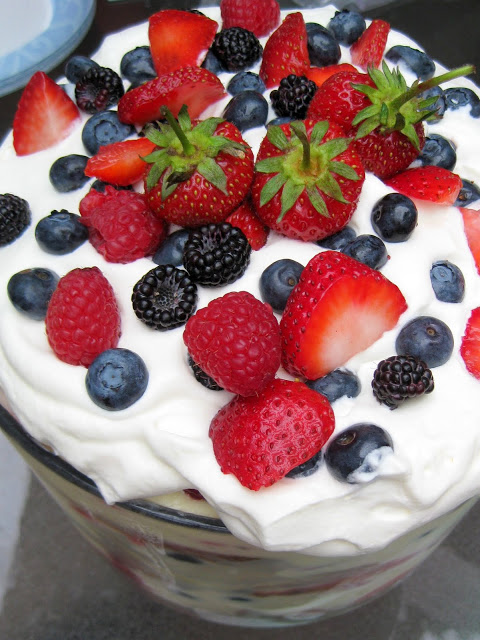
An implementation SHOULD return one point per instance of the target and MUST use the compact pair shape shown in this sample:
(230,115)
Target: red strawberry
(45,115)
(258,16)
(82,317)
(236,341)
(120,163)
(179,39)
(434,184)
(245,219)
(339,308)
(471,225)
(312,197)
(368,50)
(320,74)
(470,347)
(285,51)
(261,438)
(199,173)
(122,226)
(196,87)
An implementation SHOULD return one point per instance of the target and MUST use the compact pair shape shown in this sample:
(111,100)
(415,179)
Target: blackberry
(165,298)
(15,217)
(293,96)
(236,48)
(99,89)
(216,254)
(401,377)
(202,377)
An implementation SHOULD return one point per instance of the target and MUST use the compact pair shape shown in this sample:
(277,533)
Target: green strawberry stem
(188,147)
(302,136)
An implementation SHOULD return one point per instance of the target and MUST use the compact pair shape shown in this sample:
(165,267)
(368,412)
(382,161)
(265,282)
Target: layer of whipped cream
(160,444)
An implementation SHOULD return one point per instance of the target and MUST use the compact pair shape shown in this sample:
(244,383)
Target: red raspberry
(261,438)
(247,221)
(122,226)
(259,16)
(236,341)
(82,318)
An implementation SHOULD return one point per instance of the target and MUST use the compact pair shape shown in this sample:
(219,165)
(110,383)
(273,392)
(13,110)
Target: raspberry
(236,341)
(99,89)
(399,378)
(82,317)
(293,96)
(15,217)
(122,226)
(258,16)
(237,48)
(261,438)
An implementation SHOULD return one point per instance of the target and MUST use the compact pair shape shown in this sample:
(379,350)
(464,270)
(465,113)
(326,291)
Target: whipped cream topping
(160,444)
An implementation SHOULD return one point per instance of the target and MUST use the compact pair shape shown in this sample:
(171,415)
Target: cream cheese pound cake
(239,255)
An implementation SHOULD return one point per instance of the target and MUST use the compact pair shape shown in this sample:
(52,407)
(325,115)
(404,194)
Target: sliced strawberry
(196,87)
(470,347)
(258,16)
(320,74)
(434,184)
(245,219)
(369,48)
(179,39)
(285,51)
(45,116)
(339,308)
(120,163)
(471,225)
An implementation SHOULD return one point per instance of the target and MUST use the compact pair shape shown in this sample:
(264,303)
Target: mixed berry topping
(400,378)
(15,217)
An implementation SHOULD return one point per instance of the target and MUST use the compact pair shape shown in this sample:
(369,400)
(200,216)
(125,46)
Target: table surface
(52,587)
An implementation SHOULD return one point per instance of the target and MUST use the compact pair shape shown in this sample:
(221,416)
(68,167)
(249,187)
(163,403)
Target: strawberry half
(320,74)
(261,438)
(285,51)
(120,163)
(179,39)
(195,87)
(339,308)
(433,184)
(45,115)
(471,225)
(368,50)
(470,347)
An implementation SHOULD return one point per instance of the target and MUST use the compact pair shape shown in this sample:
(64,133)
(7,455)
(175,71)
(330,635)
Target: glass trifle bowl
(145,483)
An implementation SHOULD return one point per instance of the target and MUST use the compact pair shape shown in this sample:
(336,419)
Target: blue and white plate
(36,36)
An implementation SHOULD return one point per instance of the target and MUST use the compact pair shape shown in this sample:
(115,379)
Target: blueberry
(99,185)
(355,454)
(458,97)
(30,291)
(116,379)
(104,128)
(427,338)
(437,152)
(339,240)
(212,63)
(245,81)
(137,66)
(247,110)
(347,26)
(469,193)
(394,217)
(77,67)
(323,49)
(277,282)
(61,232)
(417,61)
(68,173)
(278,121)
(308,467)
(447,281)
(439,105)
(336,384)
(369,250)
(171,249)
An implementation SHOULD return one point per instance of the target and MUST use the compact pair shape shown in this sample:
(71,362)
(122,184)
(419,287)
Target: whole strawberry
(261,438)
(308,179)
(199,174)
(82,317)
(258,16)
(254,229)
(235,339)
(122,227)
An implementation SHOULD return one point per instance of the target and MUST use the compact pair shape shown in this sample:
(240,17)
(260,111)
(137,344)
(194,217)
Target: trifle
(240,305)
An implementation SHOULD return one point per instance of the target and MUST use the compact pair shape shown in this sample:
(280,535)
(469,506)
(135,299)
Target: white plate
(35,35)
